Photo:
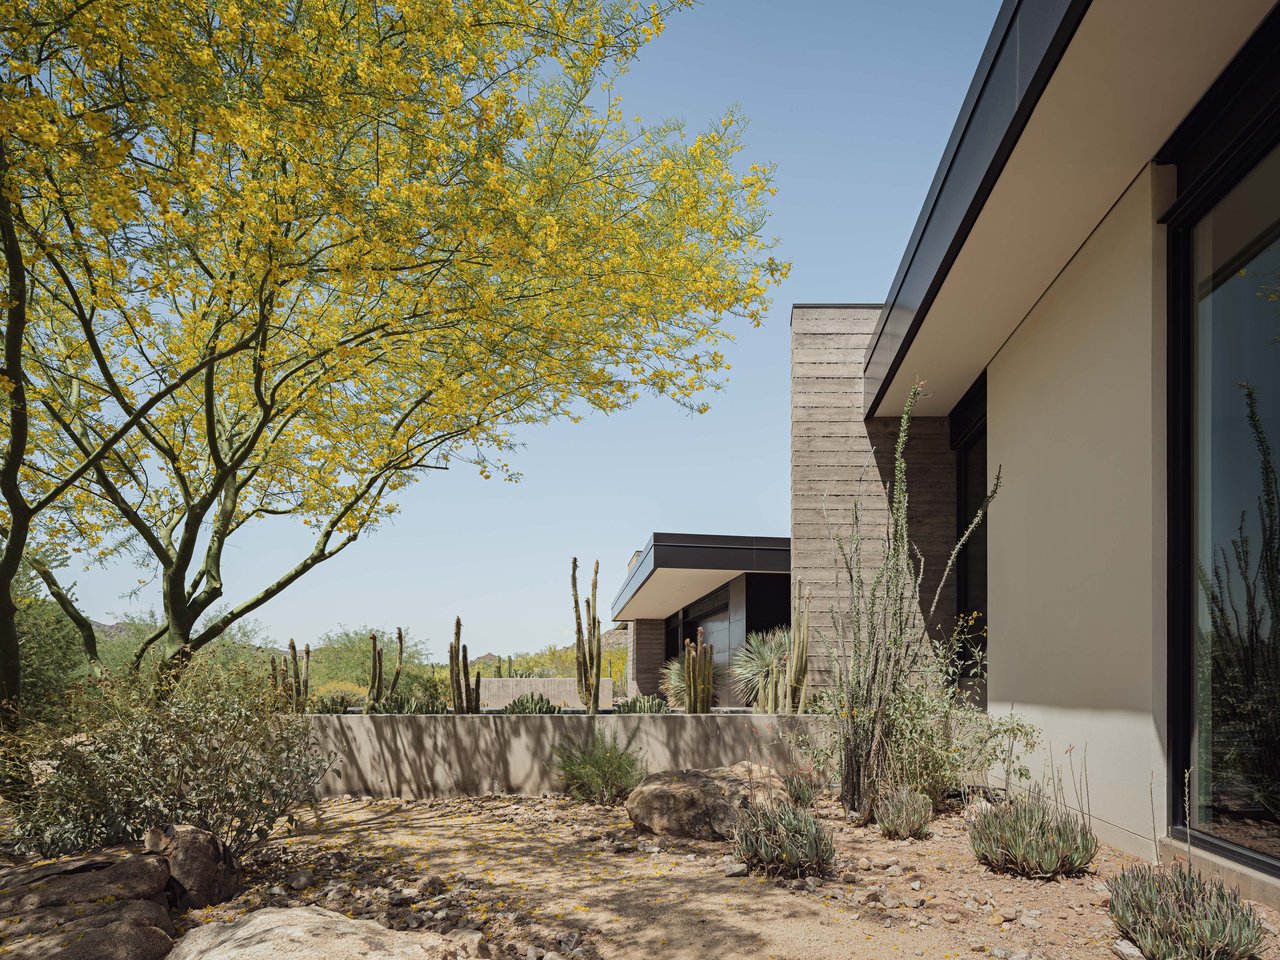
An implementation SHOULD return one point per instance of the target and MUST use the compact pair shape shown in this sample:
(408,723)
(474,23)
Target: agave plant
(903,813)
(1178,914)
(783,840)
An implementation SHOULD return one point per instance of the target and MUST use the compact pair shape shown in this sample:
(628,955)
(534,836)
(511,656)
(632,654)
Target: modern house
(1091,298)
(680,582)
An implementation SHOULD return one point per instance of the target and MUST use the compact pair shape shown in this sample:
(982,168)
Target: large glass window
(1235,749)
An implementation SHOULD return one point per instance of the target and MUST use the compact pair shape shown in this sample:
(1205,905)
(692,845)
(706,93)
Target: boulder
(308,933)
(204,871)
(108,906)
(702,804)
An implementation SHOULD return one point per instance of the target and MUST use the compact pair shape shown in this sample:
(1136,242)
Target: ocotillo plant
(587,645)
(699,676)
(291,683)
(376,691)
(463,696)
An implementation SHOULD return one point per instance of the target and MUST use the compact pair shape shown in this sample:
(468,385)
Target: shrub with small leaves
(783,841)
(642,703)
(531,703)
(600,771)
(903,814)
(800,789)
(1033,836)
(1178,914)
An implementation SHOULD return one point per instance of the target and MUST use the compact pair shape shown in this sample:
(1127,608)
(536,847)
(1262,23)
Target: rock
(468,942)
(301,879)
(1126,950)
(864,863)
(736,870)
(1010,913)
(702,804)
(1031,923)
(202,867)
(308,933)
(893,871)
(951,917)
(108,906)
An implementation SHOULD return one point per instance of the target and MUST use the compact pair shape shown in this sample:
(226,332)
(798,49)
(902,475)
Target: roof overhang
(1072,99)
(675,569)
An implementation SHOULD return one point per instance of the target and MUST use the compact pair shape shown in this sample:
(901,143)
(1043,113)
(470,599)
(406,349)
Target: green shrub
(1178,914)
(642,703)
(800,788)
(210,750)
(1032,836)
(406,702)
(531,703)
(902,813)
(601,771)
(783,840)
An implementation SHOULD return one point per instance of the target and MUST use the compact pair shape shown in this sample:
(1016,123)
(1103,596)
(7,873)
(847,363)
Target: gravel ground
(541,876)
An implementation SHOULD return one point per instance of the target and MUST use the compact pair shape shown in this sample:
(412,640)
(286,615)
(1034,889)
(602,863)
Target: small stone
(1009,913)
(995,920)
(915,903)
(864,864)
(736,870)
(893,871)
(1031,923)
(1126,950)
(468,942)
(848,878)
(885,863)
(1000,953)
(624,847)
(915,885)
(951,917)
(301,879)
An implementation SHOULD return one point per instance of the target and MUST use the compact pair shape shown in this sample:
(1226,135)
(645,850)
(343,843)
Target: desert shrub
(1033,836)
(783,840)
(210,750)
(1178,915)
(902,813)
(406,702)
(800,789)
(642,703)
(337,696)
(600,771)
(531,703)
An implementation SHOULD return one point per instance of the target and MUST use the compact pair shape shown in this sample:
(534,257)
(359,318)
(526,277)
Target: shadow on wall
(416,757)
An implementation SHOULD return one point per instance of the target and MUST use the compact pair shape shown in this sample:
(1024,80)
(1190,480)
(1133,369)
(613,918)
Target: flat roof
(675,569)
(1025,46)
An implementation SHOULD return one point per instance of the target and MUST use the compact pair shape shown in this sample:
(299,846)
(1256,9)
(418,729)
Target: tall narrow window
(1235,650)
(969,439)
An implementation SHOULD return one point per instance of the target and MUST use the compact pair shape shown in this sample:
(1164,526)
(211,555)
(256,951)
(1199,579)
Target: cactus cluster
(531,703)
(1033,836)
(699,675)
(464,696)
(289,682)
(587,656)
(903,814)
(783,840)
(642,703)
(373,701)
(1177,913)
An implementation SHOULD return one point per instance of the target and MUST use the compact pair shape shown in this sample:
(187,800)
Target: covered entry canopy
(675,569)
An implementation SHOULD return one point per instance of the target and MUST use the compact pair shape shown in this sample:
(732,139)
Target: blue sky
(853,101)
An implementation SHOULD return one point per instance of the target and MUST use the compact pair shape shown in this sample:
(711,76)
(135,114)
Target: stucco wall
(433,756)
(497,692)
(1076,420)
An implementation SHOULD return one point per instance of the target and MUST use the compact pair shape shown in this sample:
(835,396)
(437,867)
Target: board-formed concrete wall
(415,757)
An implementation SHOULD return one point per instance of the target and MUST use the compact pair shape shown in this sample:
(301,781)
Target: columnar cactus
(376,691)
(796,691)
(699,675)
(587,658)
(463,696)
(291,683)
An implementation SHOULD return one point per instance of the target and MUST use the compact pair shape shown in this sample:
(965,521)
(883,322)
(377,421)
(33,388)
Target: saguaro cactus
(797,686)
(463,696)
(699,675)
(587,656)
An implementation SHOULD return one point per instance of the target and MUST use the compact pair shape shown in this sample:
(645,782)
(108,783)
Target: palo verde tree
(278,259)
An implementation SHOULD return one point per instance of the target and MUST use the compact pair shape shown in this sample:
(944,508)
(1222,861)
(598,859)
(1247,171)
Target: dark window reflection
(1236,756)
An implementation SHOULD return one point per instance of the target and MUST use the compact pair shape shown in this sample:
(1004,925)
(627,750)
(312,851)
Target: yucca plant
(535,704)
(783,840)
(1033,836)
(902,813)
(1176,914)
(642,703)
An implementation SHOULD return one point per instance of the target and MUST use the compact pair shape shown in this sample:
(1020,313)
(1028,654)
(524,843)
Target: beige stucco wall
(1076,420)
(417,757)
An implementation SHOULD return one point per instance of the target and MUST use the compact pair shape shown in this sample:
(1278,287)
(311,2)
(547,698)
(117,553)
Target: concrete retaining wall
(415,757)
(497,692)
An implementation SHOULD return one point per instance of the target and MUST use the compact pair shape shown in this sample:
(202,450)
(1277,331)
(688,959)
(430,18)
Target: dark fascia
(702,551)
(1021,55)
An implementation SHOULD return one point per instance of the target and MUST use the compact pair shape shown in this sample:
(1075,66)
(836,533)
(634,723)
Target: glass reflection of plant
(1241,652)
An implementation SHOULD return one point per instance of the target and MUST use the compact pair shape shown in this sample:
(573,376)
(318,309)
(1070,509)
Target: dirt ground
(549,875)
